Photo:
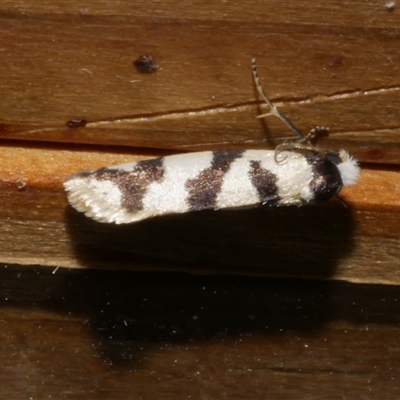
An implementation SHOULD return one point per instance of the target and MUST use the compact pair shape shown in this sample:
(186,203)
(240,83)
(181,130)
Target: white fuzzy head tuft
(348,168)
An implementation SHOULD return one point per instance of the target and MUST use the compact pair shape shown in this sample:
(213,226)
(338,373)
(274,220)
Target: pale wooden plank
(358,243)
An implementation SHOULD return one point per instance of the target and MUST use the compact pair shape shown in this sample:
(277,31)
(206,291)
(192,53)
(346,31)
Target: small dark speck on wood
(145,64)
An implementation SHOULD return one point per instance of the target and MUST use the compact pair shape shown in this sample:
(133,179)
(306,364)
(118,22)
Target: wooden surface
(329,241)
(68,60)
(335,64)
(111,334)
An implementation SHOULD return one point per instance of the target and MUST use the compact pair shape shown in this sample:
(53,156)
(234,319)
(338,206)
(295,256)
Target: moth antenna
(273,109)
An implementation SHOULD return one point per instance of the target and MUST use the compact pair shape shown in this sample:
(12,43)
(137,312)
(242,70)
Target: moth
(295,173)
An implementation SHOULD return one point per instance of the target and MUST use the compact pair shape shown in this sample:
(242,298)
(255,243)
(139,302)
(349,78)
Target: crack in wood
(226,108)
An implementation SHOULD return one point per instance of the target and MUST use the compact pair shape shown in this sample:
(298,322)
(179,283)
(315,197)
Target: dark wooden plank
(113,335)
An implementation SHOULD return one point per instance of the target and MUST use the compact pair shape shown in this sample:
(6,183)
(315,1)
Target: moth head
(347,166)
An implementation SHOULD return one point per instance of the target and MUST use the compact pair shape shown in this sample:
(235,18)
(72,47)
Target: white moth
(294,173)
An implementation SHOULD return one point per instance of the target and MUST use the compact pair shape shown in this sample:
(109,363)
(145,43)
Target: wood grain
(329,241)
(113,335)
(333,65)
(120,333)
(336,65)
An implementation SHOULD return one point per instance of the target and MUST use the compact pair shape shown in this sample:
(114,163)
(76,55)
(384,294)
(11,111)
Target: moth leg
(344,204)
(315,132)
